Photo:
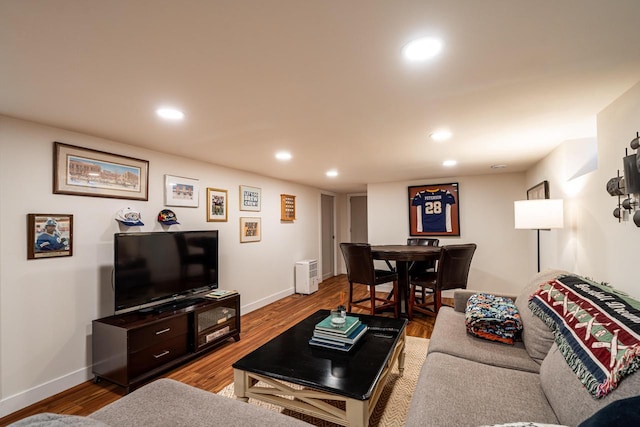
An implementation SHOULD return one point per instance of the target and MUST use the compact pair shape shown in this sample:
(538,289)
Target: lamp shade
(539,214)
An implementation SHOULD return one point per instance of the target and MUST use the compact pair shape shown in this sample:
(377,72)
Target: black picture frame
(538,191)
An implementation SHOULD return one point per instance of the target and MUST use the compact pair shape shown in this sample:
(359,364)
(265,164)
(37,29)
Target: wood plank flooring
(213,371)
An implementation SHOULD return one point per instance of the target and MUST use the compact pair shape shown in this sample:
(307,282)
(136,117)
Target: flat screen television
(154,269)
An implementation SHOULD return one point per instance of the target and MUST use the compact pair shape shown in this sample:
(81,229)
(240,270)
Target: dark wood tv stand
(131,348)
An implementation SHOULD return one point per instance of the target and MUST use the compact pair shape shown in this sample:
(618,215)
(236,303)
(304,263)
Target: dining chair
(418,267)
(452,272)
(360,270)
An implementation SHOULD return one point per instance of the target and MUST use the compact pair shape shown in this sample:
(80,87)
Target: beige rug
(393,405)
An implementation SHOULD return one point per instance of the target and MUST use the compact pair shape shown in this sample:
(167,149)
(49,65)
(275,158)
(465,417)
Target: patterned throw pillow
(491,317)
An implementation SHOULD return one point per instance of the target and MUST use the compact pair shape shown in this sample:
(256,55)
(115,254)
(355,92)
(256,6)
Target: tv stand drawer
(157,332)
(157,355)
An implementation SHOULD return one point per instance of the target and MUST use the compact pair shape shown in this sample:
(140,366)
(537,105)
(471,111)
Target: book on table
(220,293)
(350,324)
(342,338)
(352,338)
(332,346)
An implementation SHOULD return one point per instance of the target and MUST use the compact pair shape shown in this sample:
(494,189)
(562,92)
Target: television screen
(156,268)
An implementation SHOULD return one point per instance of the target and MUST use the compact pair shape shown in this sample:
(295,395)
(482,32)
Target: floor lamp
(541,214)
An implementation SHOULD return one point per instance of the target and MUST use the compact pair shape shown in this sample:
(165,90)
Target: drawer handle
(163,331)
(164,353)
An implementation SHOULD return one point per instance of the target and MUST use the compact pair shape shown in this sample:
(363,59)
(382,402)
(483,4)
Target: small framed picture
(216,205)
(250,198)
(84,172)
(538,191)
(250,229)
(180,191)
(49,235)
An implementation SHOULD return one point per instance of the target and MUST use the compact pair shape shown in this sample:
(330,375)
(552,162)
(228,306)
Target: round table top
(405,252)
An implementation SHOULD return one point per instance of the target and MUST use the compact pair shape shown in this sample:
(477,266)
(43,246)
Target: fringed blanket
(596,328)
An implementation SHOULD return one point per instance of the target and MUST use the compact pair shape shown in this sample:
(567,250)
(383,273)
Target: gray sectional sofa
(468,381)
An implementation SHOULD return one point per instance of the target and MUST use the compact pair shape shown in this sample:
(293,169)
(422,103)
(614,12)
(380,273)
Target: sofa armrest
(165,402)
(461,296)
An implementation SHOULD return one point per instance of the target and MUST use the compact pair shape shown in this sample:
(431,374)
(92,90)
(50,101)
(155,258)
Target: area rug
(391,409)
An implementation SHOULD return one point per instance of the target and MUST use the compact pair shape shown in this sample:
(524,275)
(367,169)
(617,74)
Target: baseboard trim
(266,301)
(33,395)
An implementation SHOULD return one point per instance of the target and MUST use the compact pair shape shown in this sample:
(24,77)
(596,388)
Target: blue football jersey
(434,213)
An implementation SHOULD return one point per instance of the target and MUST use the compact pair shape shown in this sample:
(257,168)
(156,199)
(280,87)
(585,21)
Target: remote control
(379,329)
(383,335)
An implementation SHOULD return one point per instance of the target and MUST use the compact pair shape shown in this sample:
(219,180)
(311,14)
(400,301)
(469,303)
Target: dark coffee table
(355,378)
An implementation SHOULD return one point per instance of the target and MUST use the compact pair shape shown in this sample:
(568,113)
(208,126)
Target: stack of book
(220,293)
(343,338)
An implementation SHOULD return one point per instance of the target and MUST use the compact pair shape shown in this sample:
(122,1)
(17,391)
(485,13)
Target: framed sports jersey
(434,210)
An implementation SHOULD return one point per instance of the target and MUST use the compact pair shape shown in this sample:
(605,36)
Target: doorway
(358,224)
(327,208)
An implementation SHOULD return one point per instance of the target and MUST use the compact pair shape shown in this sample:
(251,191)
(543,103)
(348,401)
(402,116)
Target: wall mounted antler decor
(628,185)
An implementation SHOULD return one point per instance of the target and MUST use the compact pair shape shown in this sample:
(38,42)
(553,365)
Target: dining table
(404,255)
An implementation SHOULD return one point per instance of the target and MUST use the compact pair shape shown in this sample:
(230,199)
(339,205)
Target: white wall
(47,305)
(503,259)
(593,242)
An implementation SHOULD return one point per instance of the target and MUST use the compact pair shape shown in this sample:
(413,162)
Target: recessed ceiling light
(170,113)
(283,155)
(449,163)
(441,135)
(332,173)
(500,166)
(422,49)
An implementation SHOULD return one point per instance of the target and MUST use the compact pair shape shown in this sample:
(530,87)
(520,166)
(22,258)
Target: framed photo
(538,191)
(287,207)
(250,229)
(85,172)
(216,205)
(434,210)
(250,198)
(49,235)
(180,191)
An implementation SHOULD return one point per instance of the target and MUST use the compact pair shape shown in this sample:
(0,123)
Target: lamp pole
(538,230)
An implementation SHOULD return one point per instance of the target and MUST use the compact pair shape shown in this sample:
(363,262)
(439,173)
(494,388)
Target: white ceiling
(323,79)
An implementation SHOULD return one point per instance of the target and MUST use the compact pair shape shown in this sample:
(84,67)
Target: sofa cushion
(571,401)
(537,336)
(492,317)
(171,403)
(449,336)
(452,391)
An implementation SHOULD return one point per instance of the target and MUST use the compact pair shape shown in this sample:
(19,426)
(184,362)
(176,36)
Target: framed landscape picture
(49,235)
(85,172)
(180,191)
(216,205)
(250,198)
(250,229)
(434,210)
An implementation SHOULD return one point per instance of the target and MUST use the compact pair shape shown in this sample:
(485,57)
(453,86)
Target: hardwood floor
(213,371)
